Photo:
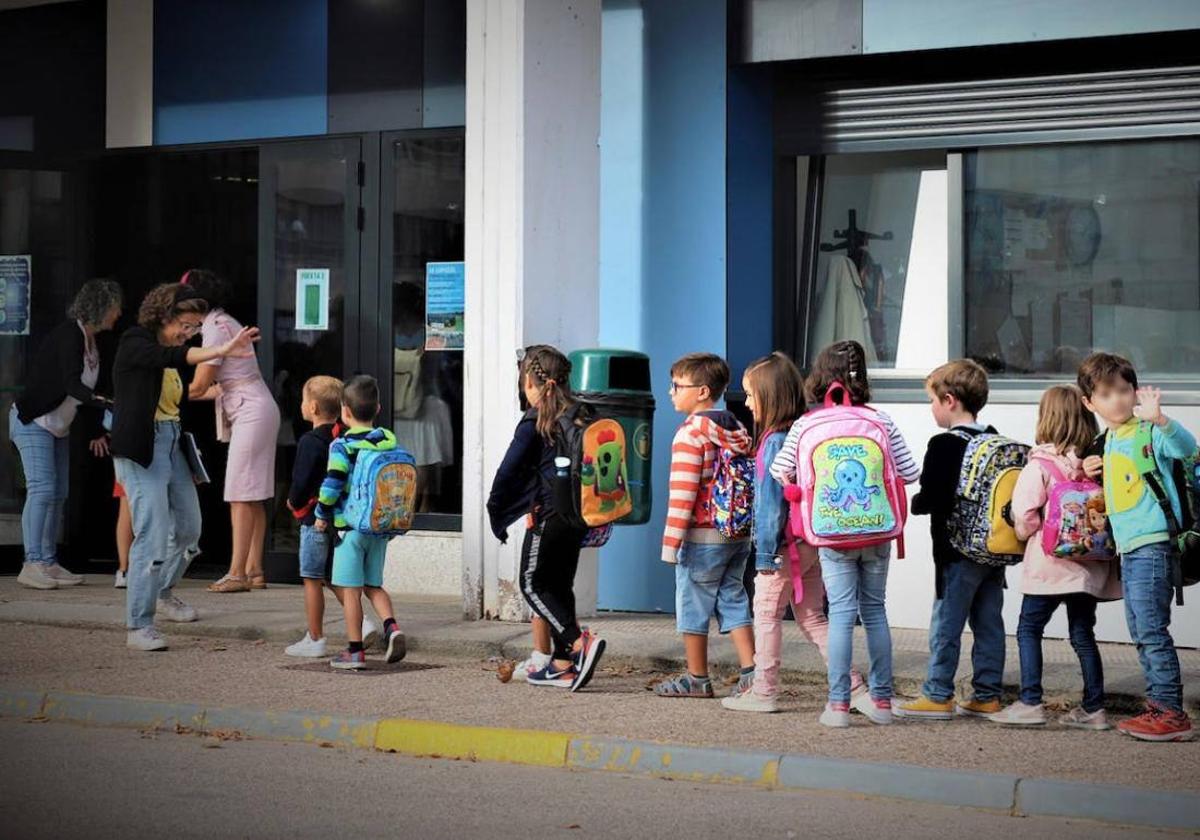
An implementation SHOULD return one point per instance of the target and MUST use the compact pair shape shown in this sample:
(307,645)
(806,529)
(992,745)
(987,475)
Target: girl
(1065,429)
(550,554)
(786,567)
(855,579)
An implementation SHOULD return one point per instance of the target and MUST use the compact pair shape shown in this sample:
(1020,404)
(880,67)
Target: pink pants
(772,594)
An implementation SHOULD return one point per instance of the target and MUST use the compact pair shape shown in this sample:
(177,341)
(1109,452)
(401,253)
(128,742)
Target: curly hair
(162,305)
(209,285)
(93,301)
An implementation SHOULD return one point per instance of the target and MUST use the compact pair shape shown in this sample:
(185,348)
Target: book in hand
(195,462)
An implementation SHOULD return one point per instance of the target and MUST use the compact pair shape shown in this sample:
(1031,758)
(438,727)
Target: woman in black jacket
(148,455)
(61,381)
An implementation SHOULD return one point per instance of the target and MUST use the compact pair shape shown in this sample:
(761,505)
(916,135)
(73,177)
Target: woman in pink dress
(248,420)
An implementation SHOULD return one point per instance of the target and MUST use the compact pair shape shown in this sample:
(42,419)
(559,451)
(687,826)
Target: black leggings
(549,558)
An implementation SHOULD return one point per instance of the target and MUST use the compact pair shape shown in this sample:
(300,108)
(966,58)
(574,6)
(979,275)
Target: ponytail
(551,371)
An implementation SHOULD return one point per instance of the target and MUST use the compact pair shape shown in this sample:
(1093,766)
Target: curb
(421,738)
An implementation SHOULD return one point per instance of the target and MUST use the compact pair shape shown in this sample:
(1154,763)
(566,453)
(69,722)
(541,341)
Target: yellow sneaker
(978,708)
(924,708)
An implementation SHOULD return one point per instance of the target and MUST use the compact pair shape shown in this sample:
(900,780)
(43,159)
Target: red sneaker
(1158,724)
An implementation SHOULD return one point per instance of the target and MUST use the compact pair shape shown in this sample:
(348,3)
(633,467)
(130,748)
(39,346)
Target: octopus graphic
(852,488)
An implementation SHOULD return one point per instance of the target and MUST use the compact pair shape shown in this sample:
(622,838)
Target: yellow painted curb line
(474,743)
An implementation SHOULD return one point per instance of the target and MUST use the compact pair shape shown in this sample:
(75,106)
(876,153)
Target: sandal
(229,584)
(684,686)
(258,581)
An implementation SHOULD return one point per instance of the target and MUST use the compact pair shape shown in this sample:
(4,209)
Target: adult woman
(68,364)
(248,420)
(148,452)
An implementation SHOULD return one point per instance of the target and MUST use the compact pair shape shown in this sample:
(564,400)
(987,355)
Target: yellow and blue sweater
(343,452)
(1134,512)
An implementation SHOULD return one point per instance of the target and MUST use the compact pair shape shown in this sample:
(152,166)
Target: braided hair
(549,370)
(844,362)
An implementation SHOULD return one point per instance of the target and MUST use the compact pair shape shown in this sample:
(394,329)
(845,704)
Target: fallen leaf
(504,671)
(326,744)
(573,825)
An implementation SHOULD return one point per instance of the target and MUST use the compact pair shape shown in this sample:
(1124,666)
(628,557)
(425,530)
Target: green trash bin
(616,384)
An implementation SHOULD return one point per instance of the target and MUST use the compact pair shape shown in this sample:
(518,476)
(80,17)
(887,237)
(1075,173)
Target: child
(523,486)
(1064,429)
(786,567)
(965,591)
(855,579)
(709,569)
(1137,430)
(124,535)
(358,558)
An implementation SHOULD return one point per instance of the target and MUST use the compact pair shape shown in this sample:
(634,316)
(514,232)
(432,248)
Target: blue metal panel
(231,70)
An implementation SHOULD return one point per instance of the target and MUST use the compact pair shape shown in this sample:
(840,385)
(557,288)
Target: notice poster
(16,276)
(312,299)
(445,305)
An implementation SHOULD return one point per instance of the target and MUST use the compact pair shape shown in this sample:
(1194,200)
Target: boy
(966,591)
(320,405)
(358,558)
(1137,428)
(709,569)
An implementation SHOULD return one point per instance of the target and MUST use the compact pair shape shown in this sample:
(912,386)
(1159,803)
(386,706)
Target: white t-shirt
(58,422)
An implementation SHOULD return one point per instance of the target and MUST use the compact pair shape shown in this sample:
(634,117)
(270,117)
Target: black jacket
(137,383)
(312,460)
(57,374)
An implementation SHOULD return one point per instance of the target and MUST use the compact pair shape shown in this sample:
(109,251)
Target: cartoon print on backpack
(852,488)
(849,475)
(603,467)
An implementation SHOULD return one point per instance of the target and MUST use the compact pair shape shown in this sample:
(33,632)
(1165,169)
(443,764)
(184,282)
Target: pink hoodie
(1040,574)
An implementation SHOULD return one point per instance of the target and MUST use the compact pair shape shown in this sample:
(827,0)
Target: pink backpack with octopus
(847,493)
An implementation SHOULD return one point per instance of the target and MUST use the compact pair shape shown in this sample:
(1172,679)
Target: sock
(356,647)
(748,671)
(389,624)
(694,678)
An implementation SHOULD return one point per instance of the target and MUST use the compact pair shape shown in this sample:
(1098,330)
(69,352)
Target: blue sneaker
(551,676)
(590,651)
(349,661)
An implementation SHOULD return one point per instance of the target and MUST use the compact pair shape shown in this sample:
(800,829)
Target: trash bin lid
(610,370)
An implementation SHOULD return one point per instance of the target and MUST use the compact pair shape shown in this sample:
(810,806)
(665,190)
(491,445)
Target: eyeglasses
(191,328)
(675,387)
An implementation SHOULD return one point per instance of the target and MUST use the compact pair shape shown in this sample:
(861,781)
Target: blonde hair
(326,391)
(1064,421)
(965,380)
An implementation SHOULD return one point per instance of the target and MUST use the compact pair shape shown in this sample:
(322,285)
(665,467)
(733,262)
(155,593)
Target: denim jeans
(1036,611)
(46,461)
(972,594)
(856,585)
(1146,585)
(166,523)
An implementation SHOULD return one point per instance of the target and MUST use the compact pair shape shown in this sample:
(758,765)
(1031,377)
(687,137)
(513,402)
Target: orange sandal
(229,584)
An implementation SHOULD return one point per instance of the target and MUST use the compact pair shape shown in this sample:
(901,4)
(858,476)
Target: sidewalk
(434,627)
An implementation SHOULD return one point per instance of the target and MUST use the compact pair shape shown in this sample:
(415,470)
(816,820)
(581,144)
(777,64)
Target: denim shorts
(358,560)
(315,553)
(708,582)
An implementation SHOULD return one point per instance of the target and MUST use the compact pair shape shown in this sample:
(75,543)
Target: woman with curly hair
(149,460)
(39,424)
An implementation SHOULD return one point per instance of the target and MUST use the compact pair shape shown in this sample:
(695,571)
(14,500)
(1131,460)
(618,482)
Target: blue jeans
(45,460)
(856,585)
(1036,611)
(709,581)
(1146,585)
(972,594)
(314,553)
(166,523)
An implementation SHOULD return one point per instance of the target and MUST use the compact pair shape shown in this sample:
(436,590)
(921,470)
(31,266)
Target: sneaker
(173,609)
(925,709)
(1079,718)
(977,708)
(553,677)
(745,685)
(749,701)
(536,662)
(147,638)
(62,577)
(1020,714)
(685,685)
(879,712)
(836,715)
(397,647)
(860,698)
(306,648)
(349,661)
(370,633)
(35,576)
(119,581)
(590,650)
(1158,724)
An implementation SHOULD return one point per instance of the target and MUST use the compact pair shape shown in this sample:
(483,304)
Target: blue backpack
(383,488)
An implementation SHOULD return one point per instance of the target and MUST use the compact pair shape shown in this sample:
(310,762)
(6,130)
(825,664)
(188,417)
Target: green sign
(312,298)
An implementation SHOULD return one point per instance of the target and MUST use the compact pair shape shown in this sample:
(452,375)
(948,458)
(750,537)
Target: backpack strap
(1147,466)
(1051,467)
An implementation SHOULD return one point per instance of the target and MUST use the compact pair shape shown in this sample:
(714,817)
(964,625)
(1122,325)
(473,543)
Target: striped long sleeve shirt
(783,468)
(343,454)
(693,460)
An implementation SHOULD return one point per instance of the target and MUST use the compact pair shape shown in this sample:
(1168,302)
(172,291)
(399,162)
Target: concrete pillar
(532,242)
(129,102)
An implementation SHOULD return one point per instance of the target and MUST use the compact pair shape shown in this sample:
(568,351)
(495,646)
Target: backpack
(731,502)
(979,526)
(848,493)
(383,489)
(596,492)
(1075,524)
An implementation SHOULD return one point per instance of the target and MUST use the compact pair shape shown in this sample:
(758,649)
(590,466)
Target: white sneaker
(536,662)
(1020,714)
(119,580)
(62,577)
(835,718)
(1077,718)
(748,701)
(173,609)
(147,638)
(370,633)
(860,700)
(307,648)
(35,576)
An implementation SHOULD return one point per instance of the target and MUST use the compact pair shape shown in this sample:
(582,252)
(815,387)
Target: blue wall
(678,284)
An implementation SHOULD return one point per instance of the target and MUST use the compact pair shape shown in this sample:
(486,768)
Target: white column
(532,240)
(129,102)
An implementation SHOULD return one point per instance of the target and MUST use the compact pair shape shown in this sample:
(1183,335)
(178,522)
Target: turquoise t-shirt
(1137,520)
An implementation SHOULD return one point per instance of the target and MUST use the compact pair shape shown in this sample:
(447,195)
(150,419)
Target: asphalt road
(65,781)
